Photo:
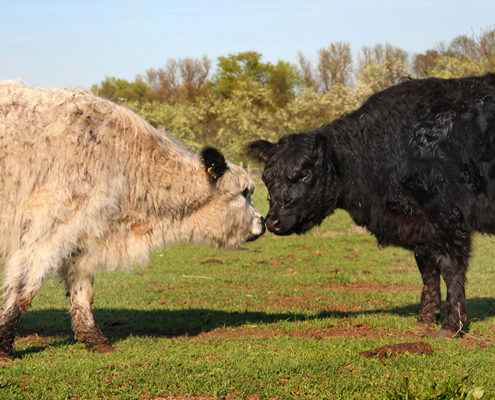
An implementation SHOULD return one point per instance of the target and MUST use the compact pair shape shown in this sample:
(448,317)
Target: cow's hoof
(428,319)
(423,329)
(445,333)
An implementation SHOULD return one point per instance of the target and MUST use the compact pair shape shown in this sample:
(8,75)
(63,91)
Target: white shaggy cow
(87,184)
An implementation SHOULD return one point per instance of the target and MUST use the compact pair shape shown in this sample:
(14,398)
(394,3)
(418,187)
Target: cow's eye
(306,176)
(245,193)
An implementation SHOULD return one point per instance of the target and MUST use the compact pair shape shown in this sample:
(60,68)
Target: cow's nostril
(273,225)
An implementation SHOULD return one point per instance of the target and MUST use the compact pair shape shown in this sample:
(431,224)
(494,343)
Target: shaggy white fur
(88,184)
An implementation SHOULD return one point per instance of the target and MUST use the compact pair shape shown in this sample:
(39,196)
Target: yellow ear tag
(211,172)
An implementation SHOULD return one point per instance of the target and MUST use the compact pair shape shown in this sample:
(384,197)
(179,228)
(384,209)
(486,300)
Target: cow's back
(422,146)
(50,158)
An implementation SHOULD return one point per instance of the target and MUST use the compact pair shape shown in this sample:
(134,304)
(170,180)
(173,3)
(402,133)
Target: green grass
(256,323)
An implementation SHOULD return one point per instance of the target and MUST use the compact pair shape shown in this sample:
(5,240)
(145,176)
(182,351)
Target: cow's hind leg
(9,319)
(431,302)
(23,280)
(80,291)
(453,269)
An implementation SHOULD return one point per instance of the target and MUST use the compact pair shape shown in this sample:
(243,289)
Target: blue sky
(78,43)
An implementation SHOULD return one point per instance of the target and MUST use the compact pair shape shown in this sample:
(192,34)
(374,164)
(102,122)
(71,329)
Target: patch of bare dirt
(211,261)
(361,230)
(305,302)
(179,398)
(472,341)
(422,330)
(347,328)
(388,351)
(228,397)
(399,271)
(344,328)
(32,339)
(313,299)
(245,286)
(276,262)
(370,286)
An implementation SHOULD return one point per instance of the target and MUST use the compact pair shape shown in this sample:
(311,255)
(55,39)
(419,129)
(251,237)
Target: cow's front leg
(80,290)
(431,303)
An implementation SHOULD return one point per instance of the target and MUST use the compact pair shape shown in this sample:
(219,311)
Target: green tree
(424,62)
(244,67)
(248,98)
(462,56)
(382,66)
(247,70)
(454,67)
(120,90)
(284,79)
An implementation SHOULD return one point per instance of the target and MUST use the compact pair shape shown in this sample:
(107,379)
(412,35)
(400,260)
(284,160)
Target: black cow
(415,165)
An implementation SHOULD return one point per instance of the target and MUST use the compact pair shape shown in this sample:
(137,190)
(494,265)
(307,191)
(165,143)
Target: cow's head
(229,218)
(301,181)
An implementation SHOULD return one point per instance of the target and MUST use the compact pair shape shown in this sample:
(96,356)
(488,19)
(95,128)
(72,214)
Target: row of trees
(246,98)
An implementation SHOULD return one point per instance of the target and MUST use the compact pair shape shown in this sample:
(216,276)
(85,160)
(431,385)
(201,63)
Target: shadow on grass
(121,323)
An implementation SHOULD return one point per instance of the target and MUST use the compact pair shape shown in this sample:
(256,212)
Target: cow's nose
(273,225)
(262,231)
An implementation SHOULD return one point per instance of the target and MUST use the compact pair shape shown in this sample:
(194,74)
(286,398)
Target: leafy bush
(247,99)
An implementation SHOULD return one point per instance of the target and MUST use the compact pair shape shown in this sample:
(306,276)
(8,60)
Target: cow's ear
(214,163)
(260,150)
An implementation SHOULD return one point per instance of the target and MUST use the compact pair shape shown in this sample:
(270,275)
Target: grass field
(282,318)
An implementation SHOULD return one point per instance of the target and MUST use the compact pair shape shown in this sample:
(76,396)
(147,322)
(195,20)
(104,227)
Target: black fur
(415,165)
(214,162)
